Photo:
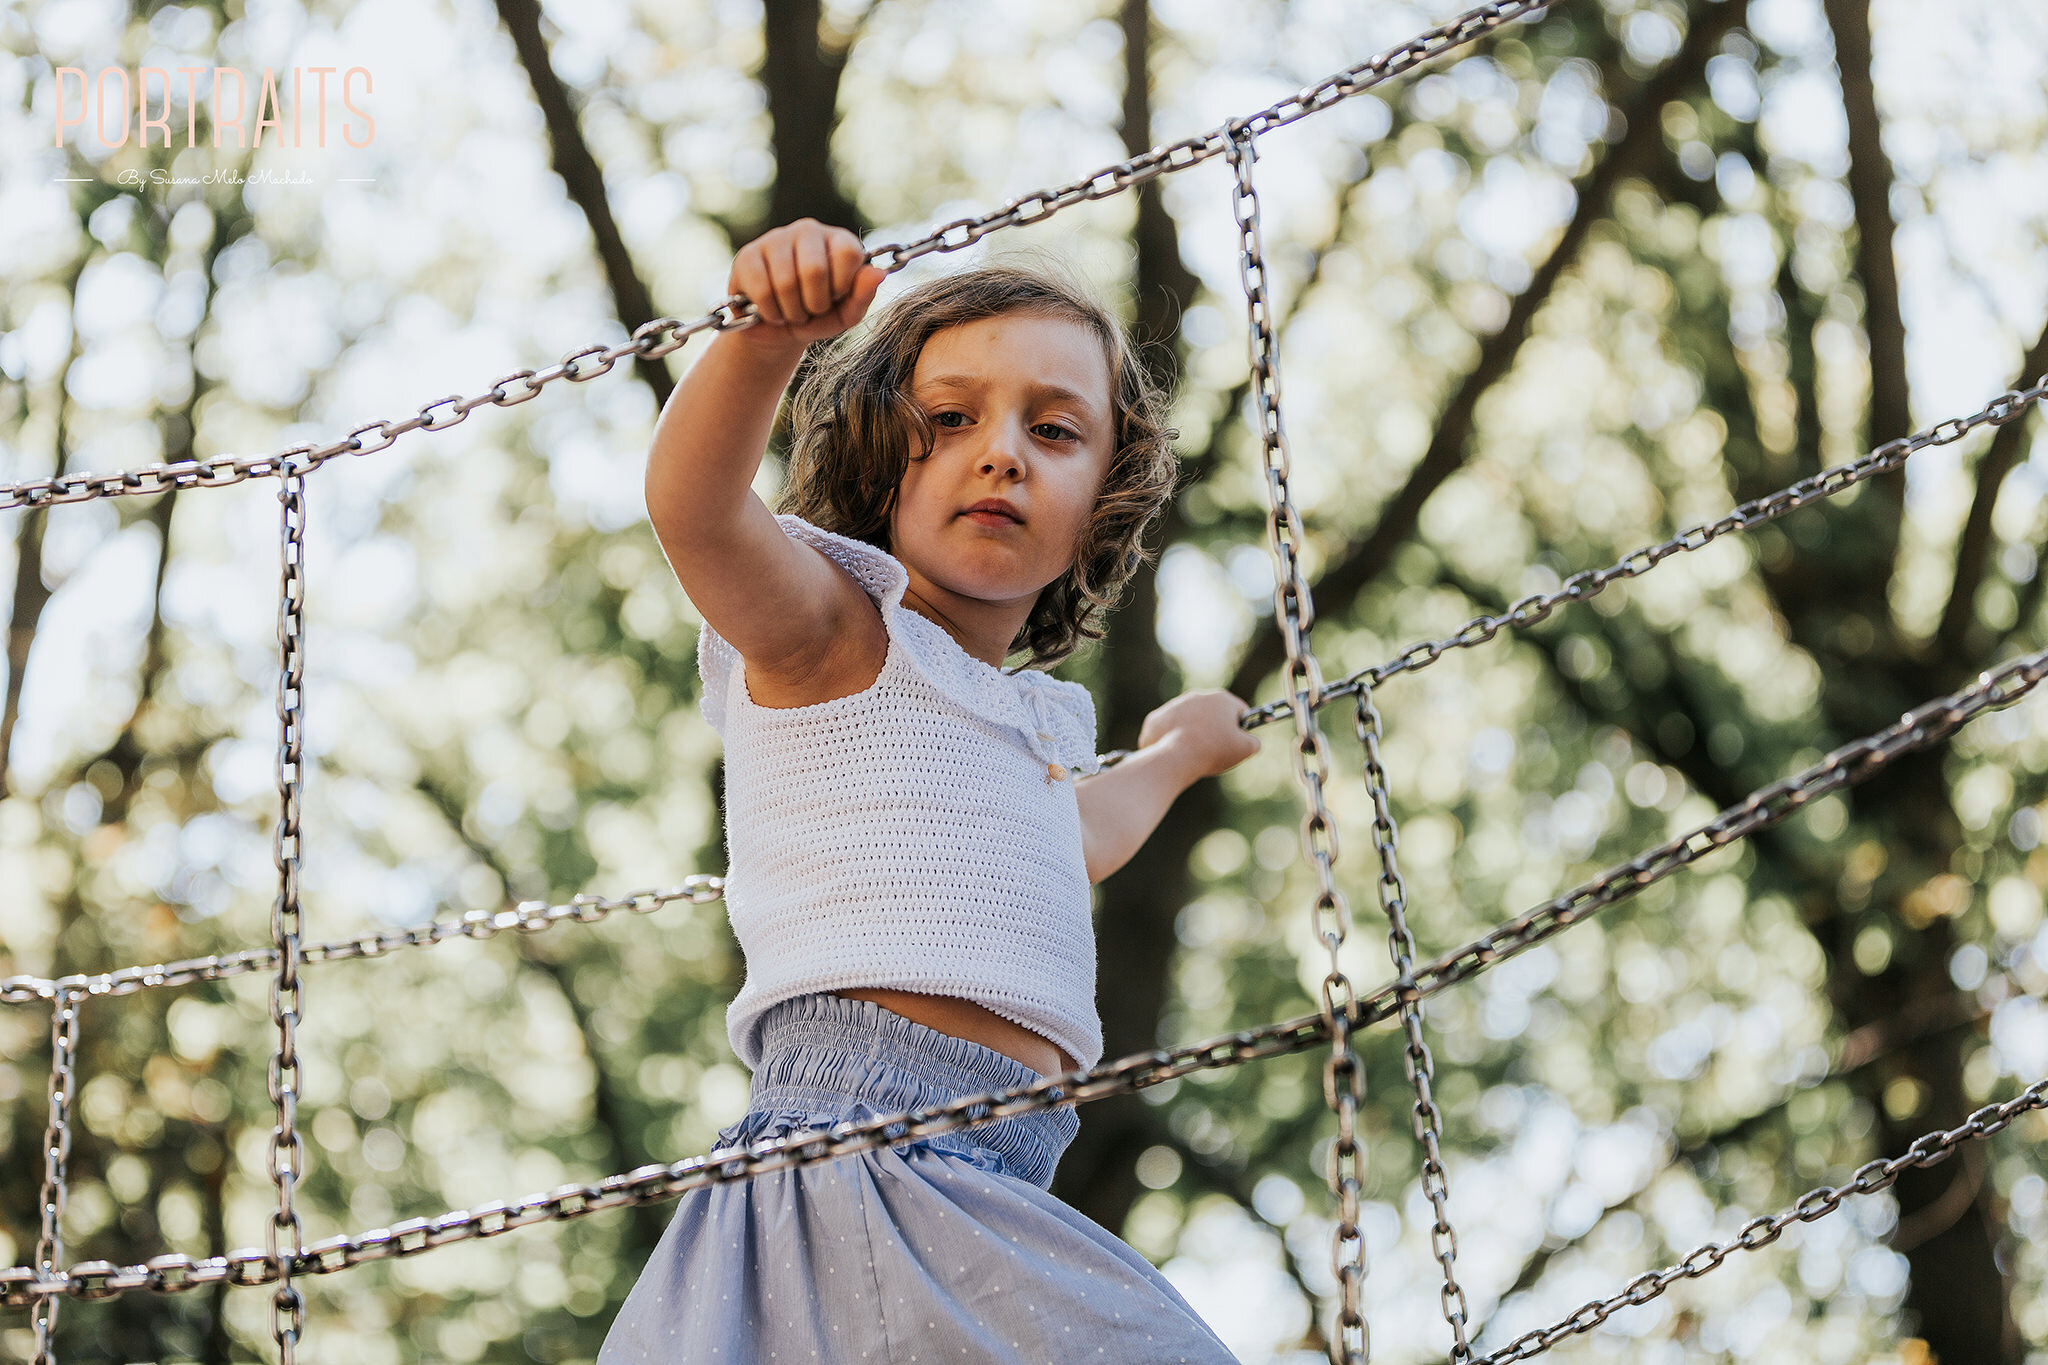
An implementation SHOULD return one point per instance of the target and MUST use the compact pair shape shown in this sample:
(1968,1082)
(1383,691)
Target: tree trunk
(801,79)
(1958,1298)
(1134,936)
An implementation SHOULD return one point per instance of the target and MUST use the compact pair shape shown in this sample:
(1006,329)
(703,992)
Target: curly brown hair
(854,430)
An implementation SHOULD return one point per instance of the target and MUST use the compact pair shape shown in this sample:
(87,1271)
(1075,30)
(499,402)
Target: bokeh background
(1603,276)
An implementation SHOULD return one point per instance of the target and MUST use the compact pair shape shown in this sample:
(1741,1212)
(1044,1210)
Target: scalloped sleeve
(876,571)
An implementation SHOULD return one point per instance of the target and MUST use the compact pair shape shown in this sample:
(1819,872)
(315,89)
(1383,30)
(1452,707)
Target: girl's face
(1023,430)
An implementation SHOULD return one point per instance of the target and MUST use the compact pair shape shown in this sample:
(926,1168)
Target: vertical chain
(56,1152)
(287,1153)
(1425,1118)
(1294,613)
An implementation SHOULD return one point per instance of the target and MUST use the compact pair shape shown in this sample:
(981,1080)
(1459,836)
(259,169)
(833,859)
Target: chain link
(1425,1119)
(287,1154)
(56,1152)
(661,336)
(529,917)
(1294,613)
(1589,583)
(1928,1150)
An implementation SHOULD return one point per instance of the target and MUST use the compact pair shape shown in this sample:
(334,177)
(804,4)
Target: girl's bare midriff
(977,1024)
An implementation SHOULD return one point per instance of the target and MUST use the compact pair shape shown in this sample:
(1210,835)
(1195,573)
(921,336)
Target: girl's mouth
(993,512)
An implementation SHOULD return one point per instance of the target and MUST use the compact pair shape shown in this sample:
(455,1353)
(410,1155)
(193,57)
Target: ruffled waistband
(826,1060)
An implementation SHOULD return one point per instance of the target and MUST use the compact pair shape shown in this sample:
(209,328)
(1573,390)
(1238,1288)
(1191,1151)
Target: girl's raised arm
(1196,735)
(805,629)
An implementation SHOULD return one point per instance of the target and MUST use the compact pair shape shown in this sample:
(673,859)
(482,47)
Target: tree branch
(1866,1045)
(1638,716)
(31,594)
(1973,549)
(1641,143)
(584,181)
(1870,191)
(1863,1047)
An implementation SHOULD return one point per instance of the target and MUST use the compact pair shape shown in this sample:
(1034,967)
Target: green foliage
(503,686)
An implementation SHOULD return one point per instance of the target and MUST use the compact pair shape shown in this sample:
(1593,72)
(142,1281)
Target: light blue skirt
(941,1249)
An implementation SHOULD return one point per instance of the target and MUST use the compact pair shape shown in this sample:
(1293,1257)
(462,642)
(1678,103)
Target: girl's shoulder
(878,573)
(1055,718)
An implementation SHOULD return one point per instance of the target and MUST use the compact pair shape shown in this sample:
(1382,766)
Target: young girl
(912,829)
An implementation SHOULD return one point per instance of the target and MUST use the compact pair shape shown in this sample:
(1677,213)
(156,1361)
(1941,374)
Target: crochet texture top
(920,835)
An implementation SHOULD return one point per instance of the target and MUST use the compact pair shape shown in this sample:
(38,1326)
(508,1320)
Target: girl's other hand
(1202,728)
(808,281)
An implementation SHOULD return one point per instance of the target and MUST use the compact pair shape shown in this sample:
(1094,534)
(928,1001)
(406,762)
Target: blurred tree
(1541,304)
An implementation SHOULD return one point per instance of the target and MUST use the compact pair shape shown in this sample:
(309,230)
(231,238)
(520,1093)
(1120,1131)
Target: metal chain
(520,386)
(23,1285)
(56,1152)
(661,336)
(1589,583)
(1928,1150)
(287,1153)
(529,917)
(1424,1118)
(1294,613)
(1852,763)
(1193,151)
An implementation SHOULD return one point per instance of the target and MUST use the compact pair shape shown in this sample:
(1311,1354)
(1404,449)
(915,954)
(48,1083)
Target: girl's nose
(1003,456)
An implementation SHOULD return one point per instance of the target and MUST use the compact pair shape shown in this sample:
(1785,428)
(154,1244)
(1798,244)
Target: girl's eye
(1052,431)
(949,420)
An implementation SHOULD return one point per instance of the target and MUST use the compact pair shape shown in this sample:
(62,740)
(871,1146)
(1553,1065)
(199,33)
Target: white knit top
(921,835)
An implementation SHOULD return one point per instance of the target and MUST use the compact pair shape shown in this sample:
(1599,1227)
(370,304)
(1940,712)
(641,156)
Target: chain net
(1342,1012)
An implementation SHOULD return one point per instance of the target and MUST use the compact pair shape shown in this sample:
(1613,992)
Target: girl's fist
(1202,727)
(808,281)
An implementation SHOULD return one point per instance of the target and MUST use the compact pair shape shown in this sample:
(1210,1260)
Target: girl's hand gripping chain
(1196,735)
(806,631)
(1202,729)
(809,283)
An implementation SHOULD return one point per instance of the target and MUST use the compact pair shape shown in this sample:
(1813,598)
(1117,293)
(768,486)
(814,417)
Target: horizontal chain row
(1930,1149)
(661,336)
(1529,611)
(1854,762)
(1113,180)
(1850,764)
(24,1285)
(529,917)
(1590,583)
(521,386)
